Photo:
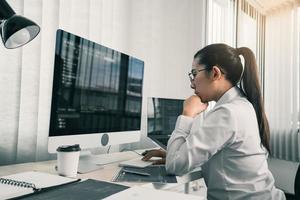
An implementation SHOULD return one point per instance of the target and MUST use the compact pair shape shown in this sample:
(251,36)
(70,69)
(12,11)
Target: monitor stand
(89,162)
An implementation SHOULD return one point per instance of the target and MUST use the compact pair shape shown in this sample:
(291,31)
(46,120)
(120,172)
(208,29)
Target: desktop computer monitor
(162,115)
(96,95)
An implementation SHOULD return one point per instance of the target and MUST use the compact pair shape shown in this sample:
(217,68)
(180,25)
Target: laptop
(162,114)
(161,117)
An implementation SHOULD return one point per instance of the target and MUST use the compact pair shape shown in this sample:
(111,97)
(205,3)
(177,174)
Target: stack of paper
(139,192)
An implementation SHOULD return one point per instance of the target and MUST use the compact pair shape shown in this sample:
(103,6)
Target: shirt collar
(229,95)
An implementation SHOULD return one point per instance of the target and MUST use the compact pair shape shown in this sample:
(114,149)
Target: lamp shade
(17,31)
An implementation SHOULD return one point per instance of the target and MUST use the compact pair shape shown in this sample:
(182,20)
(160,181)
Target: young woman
(231,144)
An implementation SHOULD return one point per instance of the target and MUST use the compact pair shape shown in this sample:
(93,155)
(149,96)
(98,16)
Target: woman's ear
(216,73)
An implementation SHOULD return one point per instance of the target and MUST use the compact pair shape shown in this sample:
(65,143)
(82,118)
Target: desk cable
(108,149)
(126,149)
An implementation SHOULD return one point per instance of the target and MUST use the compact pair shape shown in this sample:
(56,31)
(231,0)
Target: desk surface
(106,173)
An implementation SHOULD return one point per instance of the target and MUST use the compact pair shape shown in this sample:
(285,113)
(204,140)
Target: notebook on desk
(40,186)
(29,182)
(87,189)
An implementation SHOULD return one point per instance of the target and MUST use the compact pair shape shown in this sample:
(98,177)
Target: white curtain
(247,32)
(282,85)
(221,22)
(165,34)
(220,26)
(251,33)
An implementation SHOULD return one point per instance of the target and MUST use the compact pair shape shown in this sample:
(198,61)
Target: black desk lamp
(15,30)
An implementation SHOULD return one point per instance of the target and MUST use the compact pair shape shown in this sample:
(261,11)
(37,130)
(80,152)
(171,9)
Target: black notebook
(87,189)
(41,186)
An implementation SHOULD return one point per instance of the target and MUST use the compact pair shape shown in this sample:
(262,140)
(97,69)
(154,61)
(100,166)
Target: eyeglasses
(192,75)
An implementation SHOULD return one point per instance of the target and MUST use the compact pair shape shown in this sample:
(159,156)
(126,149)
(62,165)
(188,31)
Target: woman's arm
(192,143)
(176,158)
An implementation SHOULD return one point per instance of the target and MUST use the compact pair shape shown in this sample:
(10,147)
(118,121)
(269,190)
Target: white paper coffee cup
(67,160)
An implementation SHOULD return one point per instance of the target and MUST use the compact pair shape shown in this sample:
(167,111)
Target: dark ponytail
(227,58)
(251,87)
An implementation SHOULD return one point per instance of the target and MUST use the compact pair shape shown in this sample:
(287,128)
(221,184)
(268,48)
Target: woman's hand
(155,153)
(193,105)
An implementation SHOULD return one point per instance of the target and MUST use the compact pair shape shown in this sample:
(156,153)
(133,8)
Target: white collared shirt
(227,146)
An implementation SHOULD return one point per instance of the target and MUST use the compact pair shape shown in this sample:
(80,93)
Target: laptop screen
(162,115)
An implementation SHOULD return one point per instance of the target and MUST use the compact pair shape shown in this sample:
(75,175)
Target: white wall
(164,33)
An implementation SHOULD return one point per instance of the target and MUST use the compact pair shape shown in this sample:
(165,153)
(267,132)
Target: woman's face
(201,82)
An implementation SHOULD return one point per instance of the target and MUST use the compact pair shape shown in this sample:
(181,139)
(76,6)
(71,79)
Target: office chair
(287,177)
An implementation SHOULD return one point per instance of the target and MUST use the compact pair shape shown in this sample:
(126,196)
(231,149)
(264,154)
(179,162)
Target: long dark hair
(228,60)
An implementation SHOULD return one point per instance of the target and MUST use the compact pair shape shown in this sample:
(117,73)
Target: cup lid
(68,148)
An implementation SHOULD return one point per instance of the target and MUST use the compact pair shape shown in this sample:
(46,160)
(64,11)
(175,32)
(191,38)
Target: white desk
(106,173)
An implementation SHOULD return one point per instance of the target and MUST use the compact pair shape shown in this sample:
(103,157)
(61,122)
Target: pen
(135,172)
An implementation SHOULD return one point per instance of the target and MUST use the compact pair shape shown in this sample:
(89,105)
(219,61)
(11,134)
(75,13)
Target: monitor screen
(162,115)
(96,89)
